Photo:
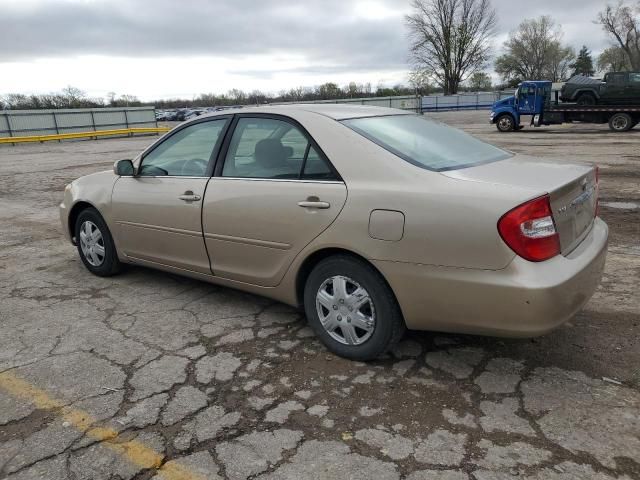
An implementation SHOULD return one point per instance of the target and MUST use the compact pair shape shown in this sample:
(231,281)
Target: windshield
(426,143)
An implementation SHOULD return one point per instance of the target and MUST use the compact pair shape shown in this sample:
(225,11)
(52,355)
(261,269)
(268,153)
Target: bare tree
(534,51)
(451,39)
(613,59)
(622,22)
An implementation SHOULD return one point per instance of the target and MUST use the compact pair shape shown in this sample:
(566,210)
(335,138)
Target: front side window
(426,143)
(185,153)
(634,78)
(617,78)
(272,149)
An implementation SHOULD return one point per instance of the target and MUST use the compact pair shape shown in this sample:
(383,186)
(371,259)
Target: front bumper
(525,299)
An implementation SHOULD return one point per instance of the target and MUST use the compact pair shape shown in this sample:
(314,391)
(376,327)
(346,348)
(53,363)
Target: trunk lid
(572,189)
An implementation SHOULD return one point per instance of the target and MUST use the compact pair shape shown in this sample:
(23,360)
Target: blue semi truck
(534,99)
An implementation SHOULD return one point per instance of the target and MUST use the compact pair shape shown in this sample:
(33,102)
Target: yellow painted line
(71,136)
(134,451)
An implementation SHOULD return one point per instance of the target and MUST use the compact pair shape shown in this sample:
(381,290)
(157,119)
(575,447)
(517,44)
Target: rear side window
(269,148)
(426,143)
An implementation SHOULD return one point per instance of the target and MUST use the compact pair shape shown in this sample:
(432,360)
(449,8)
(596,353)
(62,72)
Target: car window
(185,153)
(426,143)
(297,141)
(265,148)
(317,168)
(617,78)
(634,78)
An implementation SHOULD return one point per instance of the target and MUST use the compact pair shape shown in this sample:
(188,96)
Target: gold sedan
(372,219)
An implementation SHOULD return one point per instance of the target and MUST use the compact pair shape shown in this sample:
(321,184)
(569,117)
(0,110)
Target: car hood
(505,102)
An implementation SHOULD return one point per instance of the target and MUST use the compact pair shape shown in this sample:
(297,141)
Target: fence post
(55,123)
(126,120)
(9,127)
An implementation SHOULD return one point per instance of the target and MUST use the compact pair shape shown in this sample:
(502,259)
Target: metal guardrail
(18,123)
(78,135)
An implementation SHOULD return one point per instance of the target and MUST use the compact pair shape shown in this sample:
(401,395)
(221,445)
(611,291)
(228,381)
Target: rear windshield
(426,143)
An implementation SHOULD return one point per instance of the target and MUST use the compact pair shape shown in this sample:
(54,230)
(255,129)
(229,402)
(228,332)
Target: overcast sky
(180,48)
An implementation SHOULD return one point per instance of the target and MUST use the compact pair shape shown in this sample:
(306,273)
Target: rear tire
(95,244)
(621,122)
(505,123)
(586,99)
(352,309)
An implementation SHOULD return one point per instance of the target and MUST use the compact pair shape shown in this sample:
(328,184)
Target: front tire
(505,123)
(586,100)
(95,244)
(352,309)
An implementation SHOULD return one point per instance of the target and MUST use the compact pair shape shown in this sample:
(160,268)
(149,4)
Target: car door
(634,88)
(615,89)
(274,191)
(527,99)
(157,212)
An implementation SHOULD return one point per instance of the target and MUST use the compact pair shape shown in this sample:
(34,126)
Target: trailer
(534,99)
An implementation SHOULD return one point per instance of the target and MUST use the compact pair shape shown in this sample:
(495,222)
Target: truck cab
(530,98)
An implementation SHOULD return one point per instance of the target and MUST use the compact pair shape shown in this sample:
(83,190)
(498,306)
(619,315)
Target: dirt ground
(150,375)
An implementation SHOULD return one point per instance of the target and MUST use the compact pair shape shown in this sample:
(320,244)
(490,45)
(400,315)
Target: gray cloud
(325,32)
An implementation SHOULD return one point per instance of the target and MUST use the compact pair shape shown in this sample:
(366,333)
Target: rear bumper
(524,299)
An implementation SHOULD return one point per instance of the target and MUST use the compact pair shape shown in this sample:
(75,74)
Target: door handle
(189,196)
(314,204)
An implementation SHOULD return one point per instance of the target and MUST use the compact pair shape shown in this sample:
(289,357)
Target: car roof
(331,110)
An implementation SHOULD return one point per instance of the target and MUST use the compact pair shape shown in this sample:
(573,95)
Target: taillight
(529,230)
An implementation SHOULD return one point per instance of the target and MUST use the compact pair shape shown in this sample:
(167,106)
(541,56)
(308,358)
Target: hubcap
(345,310)
(92,243)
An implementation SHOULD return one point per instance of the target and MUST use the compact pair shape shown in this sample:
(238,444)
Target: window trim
(222,153)
(214,153)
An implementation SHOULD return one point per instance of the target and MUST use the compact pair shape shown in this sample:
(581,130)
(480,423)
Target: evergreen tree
(584,63)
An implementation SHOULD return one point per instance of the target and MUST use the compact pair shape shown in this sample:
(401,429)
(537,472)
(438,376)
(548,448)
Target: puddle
(621,205)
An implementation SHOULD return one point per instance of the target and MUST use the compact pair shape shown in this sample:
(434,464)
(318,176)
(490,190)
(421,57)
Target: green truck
(615,88)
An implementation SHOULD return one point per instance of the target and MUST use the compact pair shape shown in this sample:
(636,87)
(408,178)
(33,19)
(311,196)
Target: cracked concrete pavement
(149,375)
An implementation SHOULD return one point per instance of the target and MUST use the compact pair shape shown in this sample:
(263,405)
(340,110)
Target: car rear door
(615,90)
(273,192)
(157,212)
(634,88)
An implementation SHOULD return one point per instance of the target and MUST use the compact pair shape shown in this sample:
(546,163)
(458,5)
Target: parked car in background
(371,219)
(615,88)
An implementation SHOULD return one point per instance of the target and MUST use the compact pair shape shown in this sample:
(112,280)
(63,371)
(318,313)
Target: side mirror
(124,168)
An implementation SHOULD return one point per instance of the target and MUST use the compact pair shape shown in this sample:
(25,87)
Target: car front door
(157,212)
(273,193)
(527,99)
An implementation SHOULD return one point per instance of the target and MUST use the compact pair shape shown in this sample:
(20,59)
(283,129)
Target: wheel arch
(319,255)
(78,207)
(583,91)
